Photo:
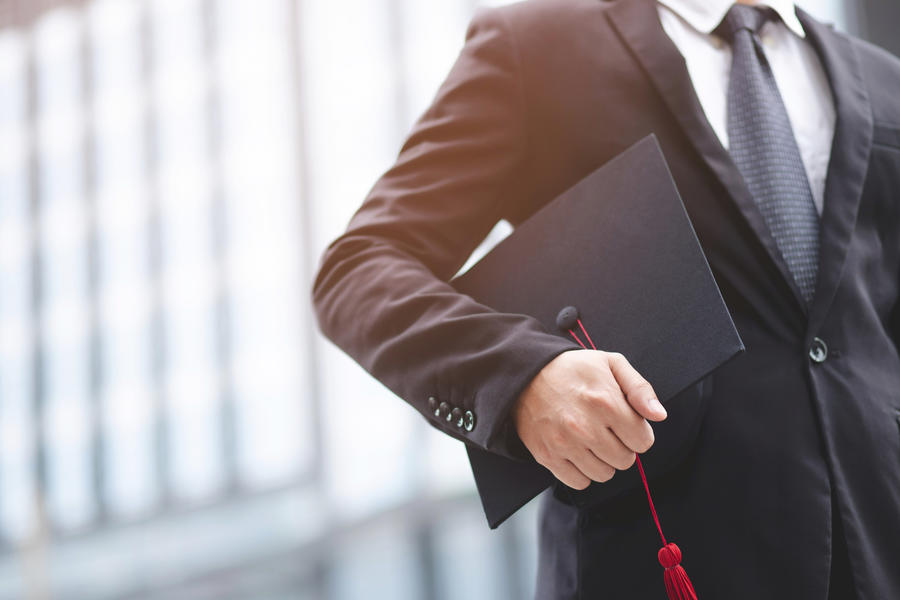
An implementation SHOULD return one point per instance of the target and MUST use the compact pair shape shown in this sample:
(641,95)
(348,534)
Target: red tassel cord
(678,586)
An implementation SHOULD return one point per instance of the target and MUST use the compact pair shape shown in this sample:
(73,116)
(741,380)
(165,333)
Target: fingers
(594,464)
(612,451)
(637,390)
(618,426)
(570,475)
(593,467)
(578,471)
(636,436)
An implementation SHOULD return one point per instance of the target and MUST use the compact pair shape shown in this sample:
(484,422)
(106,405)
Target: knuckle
(570,424)
(600,398)
(574,431)
(557,437)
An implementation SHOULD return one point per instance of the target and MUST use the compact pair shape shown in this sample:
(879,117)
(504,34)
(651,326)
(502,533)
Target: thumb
(638,391)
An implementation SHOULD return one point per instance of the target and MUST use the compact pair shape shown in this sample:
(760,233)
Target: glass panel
(13,142)
(263,268)
(350,141)
(125,300)
(431,41)
(17,464)
(63,270)
(192,386)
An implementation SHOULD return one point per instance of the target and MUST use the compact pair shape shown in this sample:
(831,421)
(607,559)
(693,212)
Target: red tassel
(678,586)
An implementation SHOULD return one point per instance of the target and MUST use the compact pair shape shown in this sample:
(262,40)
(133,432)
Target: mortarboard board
(613,261)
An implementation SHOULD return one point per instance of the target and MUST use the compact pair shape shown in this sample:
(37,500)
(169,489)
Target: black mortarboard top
(619,248)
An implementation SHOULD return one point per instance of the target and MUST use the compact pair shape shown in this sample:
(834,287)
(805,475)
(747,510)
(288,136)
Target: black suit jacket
(542,93)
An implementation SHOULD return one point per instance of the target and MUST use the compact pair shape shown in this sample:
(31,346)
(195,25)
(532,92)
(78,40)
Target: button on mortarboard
(567,318)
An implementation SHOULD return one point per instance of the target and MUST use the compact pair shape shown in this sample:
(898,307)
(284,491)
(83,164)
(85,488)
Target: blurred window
(152,352)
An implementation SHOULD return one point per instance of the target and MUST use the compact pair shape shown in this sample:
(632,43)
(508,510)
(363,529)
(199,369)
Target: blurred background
(172,425)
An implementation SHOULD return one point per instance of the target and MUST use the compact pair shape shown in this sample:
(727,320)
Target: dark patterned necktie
(763,146)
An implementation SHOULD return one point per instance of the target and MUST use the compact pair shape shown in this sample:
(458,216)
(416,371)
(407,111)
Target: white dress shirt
(798,73)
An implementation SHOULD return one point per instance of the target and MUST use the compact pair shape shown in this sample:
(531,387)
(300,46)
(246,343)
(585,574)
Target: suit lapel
(849,160)
(637,21)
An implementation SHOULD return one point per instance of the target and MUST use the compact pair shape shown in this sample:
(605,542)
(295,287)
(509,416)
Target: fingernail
(658,408)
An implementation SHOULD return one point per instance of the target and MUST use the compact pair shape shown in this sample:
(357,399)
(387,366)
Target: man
(783,136)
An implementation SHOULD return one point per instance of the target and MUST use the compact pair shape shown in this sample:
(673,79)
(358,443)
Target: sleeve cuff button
(469,420)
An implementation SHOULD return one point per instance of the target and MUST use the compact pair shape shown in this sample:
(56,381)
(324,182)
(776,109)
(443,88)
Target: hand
(585,415)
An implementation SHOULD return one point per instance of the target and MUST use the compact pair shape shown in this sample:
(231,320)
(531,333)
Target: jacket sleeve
(381,291)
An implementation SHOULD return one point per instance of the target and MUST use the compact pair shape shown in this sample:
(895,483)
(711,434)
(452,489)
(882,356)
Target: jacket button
(818,351)
(469,420)
(456,415)
(433,405)
(443,410)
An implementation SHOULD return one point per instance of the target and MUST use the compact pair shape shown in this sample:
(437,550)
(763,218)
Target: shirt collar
(705,15)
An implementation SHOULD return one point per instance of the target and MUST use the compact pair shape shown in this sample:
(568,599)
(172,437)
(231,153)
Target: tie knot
(743,17)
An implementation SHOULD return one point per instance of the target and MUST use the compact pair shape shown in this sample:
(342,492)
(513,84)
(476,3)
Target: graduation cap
(614,263)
